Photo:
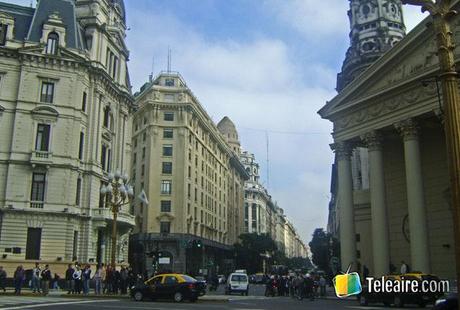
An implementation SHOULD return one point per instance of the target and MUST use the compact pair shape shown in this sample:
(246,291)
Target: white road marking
(58,304)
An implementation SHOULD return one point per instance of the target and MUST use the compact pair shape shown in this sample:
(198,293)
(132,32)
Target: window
(134,158)
(75,245)
(170,280)
(169,82)
(143,170)
(43,138)
(168,133)
(34,240)
(106,120)
(144,136)
(166,206)
(165,227)
(38,186)
(77,196)
(47,92)
(3,32)
(167,168)
(106,157)
(169,116)
(52,43)
(167,150)
(166,187)
(143,152)
(83,102)
(80,147)
(112,63)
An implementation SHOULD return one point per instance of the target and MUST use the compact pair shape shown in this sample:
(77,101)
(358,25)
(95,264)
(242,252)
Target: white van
(237,282)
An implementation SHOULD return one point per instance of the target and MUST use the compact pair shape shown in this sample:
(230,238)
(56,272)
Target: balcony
(105,214)
(41,157)
(36,204)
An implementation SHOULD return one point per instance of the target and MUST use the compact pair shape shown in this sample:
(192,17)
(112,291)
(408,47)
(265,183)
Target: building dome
(120,6)
(228,130)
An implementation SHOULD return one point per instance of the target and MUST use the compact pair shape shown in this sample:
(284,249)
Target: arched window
(52,43)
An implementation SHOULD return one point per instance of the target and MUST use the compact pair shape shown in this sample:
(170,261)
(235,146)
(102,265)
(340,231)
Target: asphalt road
(254,303)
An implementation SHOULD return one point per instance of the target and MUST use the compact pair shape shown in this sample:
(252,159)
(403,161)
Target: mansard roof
(66,11)
(22,16)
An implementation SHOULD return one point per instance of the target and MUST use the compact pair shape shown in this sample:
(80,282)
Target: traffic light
(195,244)
(199,245)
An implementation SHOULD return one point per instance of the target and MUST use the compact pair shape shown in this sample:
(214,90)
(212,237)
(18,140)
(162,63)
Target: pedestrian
(19,277)
(404,268)
(56,282)
(2,279)
(46,279)
(108,289)
(309,287)
(365,272)
(77,278)
(86,277)
(322,286)
(123,280)
(36,274)
(98,280)
(70,282)
(115,280)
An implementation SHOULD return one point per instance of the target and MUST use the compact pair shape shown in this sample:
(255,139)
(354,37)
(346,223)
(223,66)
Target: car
(399,299)
(448,302)
(201,284)
(237,282)
(167,286)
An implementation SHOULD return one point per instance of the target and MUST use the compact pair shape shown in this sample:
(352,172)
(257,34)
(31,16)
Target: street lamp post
(441,12)
(118,192)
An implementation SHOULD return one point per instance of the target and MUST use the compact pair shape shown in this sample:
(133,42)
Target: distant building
(64,117)
(193,178)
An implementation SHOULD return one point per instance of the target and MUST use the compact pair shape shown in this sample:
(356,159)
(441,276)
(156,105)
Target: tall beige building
(64,108)
(192,176)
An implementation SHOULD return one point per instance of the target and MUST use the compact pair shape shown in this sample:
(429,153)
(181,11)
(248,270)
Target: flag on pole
(143,197)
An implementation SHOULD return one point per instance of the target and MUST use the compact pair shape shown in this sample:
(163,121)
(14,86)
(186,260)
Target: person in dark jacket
(86,278)
(2,279)
(19,277)
(70,283)
(46,279)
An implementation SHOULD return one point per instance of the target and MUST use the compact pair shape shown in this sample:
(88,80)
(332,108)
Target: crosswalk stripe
(57,304)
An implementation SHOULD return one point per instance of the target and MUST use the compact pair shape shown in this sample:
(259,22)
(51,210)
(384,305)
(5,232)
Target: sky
(269,65)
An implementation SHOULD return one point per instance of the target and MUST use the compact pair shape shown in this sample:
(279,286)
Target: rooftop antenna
(268,160)
(151,73)
(169,59)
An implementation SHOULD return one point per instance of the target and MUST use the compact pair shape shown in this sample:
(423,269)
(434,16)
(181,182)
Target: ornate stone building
(190,170)
(64,111)
(394,111)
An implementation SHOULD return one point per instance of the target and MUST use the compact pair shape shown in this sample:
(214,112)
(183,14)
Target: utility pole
(441,12)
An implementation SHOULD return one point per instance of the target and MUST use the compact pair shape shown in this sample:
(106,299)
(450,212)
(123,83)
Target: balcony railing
(41,156)
(36,204)
(106,214)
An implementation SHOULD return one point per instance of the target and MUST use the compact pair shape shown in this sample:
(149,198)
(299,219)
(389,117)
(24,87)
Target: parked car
(167,286)
(448,302)
(237,282)
(400,299)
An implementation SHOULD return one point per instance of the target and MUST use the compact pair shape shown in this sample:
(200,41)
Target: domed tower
(376,25)
(228,130)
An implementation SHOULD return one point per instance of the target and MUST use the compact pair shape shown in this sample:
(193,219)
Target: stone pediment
(64,53)
(414,57)
(45,111)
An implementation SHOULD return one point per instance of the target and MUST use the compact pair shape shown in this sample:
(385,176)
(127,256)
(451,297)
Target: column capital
(408,129)
(373,140)
(342,149)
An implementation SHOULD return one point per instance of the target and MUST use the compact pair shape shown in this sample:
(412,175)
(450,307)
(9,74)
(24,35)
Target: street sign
(164,260)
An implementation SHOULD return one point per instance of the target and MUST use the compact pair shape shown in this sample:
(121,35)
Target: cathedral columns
(379,218)
(345,204)
(420,256)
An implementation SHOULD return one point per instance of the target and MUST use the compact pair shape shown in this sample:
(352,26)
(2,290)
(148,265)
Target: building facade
(64,82)
(394,111)
(193,179)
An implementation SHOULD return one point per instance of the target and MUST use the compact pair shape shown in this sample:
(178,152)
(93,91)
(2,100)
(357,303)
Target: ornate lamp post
(117,193)
(441,12)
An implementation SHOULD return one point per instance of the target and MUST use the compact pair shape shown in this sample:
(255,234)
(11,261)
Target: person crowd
(297,286)
(78,279)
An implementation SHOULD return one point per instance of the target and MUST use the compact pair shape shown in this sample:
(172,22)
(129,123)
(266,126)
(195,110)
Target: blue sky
(269,65)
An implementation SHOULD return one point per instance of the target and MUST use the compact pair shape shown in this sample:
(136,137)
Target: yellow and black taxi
(167,286)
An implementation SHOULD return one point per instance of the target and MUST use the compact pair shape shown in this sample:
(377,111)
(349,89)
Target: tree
(323,247)
(250,247)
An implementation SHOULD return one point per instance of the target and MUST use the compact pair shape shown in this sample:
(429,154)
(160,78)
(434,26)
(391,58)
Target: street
(255,303)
